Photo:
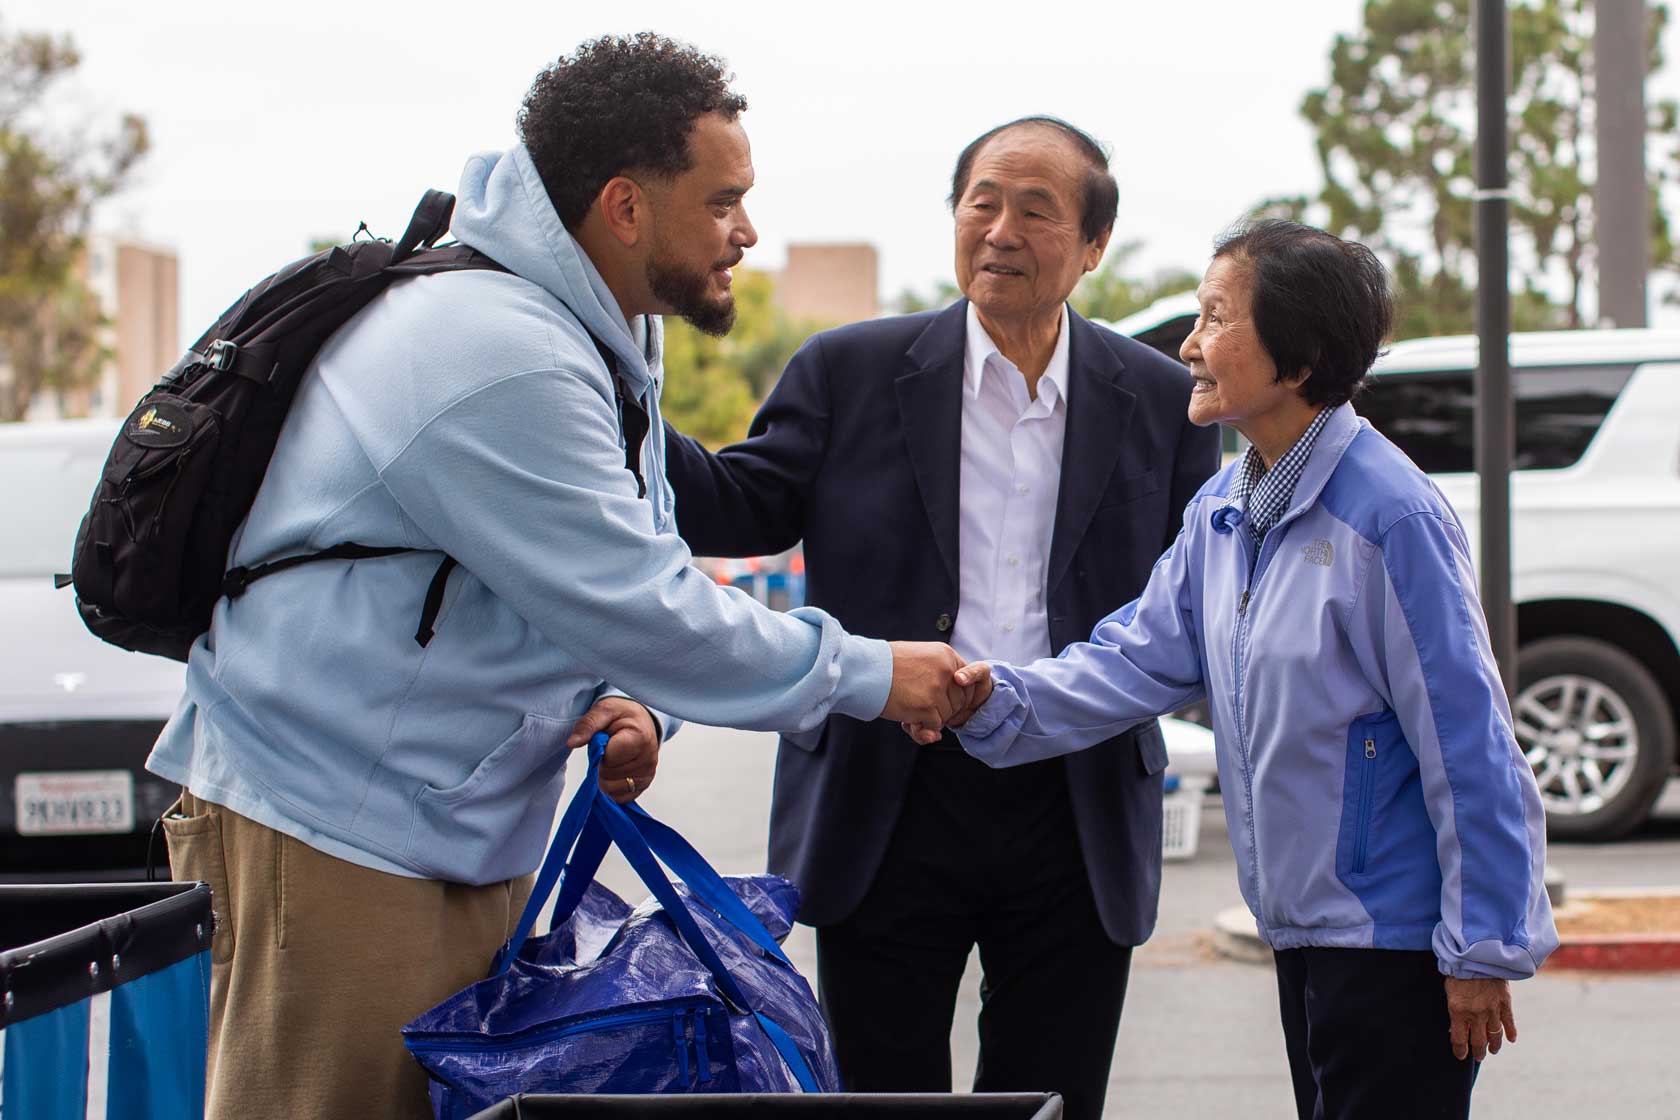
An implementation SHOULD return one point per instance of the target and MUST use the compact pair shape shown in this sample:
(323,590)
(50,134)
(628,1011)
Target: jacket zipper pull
(1242,606)
(682,1044)
(1370,748)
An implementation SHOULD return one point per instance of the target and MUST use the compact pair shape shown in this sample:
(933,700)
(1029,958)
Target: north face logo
(1319,552)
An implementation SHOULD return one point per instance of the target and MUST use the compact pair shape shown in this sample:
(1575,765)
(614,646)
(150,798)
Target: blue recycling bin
(105,1009)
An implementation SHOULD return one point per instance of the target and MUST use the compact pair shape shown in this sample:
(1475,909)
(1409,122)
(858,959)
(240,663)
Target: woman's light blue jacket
(1373,789)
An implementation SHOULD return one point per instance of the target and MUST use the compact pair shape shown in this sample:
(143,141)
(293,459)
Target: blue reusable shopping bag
(688,993)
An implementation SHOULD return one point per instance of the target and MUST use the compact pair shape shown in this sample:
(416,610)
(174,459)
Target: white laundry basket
(1181,817)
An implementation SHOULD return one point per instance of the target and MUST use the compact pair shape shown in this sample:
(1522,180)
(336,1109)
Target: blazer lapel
(930,418)
(1098,413)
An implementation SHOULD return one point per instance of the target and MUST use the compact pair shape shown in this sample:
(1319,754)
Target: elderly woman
(1388,833)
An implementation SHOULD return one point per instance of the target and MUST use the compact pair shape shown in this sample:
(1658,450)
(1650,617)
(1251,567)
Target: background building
(138,286)
(835,283)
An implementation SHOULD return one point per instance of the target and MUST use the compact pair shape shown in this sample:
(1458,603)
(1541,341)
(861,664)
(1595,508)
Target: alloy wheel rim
(1580,739)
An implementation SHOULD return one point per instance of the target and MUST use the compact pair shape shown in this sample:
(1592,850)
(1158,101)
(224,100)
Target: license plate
(74,801)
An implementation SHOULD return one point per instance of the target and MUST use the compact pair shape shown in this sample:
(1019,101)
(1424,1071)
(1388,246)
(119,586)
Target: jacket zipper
(1367,792)
(1239,644)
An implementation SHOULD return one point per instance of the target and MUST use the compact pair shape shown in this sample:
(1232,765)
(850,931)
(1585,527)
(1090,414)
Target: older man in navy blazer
(999,475)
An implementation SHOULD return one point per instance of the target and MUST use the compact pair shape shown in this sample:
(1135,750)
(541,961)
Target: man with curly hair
(367,807)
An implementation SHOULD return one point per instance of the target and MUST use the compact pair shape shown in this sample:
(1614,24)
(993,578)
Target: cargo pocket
(196,855)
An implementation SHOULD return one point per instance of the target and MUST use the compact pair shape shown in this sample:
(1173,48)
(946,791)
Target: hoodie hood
(502,209)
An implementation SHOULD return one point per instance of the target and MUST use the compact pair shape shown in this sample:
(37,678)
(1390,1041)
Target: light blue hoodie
(469,414)
(1374,792)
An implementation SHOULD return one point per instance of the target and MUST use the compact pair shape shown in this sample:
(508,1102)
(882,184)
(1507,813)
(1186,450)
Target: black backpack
(150,555)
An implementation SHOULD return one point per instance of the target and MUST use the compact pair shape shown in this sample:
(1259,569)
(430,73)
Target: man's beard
(688,292)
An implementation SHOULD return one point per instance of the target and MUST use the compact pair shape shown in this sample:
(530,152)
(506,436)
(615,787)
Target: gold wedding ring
(631,782)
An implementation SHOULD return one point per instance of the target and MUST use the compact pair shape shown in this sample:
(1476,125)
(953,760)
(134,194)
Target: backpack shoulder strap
(632,417)
(430,222)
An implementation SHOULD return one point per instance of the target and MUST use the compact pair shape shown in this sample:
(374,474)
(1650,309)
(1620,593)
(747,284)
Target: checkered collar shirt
(1269,492)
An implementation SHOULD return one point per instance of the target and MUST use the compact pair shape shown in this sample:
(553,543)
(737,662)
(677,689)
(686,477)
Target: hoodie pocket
(458,829)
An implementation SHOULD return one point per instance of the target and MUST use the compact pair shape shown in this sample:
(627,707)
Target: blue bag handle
(559,851)
(703,882)
(578,849)
(580,870)
(574,856)
(580,845)
(635,849)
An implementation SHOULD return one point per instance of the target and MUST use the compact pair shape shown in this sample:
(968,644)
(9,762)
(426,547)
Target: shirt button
(1009,628)
(1022,488)
(1014,561)
(942,623)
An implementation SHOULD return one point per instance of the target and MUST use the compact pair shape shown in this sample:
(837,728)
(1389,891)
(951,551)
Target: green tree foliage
(910,301)
(714,385)
(1395,131)
(50,179)
(1111,292)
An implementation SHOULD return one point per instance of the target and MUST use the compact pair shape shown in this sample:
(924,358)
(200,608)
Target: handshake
(933,688)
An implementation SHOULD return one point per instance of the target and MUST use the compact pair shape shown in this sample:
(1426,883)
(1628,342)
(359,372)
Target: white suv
(77,717)
(1595,541)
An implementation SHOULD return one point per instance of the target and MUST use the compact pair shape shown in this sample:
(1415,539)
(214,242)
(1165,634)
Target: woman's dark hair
(615,104)
(1321,304)
(1101,199)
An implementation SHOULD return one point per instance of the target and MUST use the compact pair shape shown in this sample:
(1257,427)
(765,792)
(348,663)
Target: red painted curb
(1623,952)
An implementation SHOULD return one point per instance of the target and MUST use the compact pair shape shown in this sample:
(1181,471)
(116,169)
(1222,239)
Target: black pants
(1366,1031)
(990,858)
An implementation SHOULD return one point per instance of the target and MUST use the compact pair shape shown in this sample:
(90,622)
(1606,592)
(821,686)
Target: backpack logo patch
(1319,552)
(160,425)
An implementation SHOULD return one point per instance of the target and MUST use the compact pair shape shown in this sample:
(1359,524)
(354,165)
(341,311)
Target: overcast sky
(275,124)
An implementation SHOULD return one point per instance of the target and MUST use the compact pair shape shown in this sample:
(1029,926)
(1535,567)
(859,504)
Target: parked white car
(77,717)
(1595,539)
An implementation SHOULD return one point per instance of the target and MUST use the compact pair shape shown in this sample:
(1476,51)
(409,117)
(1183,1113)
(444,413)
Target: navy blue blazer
(856,452)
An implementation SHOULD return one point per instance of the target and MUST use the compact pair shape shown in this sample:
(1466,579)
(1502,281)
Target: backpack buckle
(236,581)
(221,355)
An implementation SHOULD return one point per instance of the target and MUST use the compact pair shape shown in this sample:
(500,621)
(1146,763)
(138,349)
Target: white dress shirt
(1011,473)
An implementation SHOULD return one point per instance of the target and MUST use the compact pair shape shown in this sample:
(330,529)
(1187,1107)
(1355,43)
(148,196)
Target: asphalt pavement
(1200,1036)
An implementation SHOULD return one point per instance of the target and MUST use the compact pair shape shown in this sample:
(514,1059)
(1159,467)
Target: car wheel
(1597,730)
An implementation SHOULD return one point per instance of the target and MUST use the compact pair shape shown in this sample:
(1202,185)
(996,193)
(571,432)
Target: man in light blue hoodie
(368,808)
